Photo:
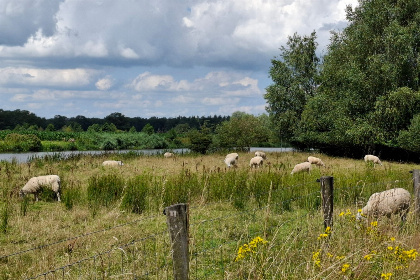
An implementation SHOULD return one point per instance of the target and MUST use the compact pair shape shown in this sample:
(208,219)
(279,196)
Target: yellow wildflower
(316,258)
(368,257)
(330,255)
(391,248)
(345,267)
(340,257)
(392,239)
(341,214)
(251,247)
(322,235)
(374,224)
(386,276)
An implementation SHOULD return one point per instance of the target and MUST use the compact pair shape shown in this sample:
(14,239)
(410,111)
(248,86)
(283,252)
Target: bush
(23,143)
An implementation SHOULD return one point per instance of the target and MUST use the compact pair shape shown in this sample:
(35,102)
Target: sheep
(168,155)
(232,155)
(386,203)
(315,160)
(232,160)
(112,163)
(256,161)
(35,184)
(301,167)
(372,158)
(260,154)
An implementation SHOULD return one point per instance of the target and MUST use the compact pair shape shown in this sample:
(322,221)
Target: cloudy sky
(144,58)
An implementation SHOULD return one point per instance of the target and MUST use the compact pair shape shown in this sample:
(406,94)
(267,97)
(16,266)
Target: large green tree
(369,82)
(242,131)
(294,76)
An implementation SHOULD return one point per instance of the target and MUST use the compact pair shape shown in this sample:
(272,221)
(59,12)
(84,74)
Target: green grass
(110,223)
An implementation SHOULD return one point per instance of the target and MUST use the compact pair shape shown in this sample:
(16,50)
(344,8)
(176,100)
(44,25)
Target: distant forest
(12,119)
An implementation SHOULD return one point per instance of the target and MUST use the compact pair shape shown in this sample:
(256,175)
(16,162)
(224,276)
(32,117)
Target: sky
(142,58)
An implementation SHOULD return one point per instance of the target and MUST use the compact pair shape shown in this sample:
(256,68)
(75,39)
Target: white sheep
(112,163)
(168,155)
(256,161)
(315,160)
(302,167)
(232,160)
(372,158)
(35,184)
(232,155)
(260,154)
(386,203)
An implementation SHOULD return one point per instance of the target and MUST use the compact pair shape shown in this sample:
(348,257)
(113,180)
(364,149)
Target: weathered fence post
(416,191)
(327,196)
(177,221)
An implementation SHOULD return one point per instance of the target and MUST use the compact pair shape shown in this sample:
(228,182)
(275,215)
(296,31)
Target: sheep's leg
(58,196)
(36,197)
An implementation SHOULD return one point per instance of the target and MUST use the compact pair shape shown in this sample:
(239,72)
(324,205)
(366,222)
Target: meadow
(244,223)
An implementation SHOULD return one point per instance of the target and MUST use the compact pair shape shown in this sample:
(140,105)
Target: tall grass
(228,208)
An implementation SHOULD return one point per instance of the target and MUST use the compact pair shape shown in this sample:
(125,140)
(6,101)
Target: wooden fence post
(416,191)
(327,196)
(177,221)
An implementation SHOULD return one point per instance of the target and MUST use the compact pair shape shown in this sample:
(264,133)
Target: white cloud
(46,77)
(148,82)
(104,83)
(194,57)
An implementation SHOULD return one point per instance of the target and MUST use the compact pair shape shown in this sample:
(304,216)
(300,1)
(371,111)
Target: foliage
(369,82)
(242,131)
(295,76)
(22,143)
(148,129)
(200,140)
(410,139)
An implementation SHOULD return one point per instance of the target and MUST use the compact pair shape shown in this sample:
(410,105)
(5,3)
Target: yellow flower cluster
(401,255)
(369,256)
(316,257)
(249,248)
(386,276)
(345,267)
(324,235)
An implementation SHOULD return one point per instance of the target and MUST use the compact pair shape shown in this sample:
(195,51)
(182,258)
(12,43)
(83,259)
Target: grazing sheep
(386,203)
(232,160)
(112,163)
(35,184)
(315,160)
(168,155)
(256,161)
(302,167)
(232,155)
(260,154)
(372,158)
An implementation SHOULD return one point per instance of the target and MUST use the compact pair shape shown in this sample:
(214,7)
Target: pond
(25,157)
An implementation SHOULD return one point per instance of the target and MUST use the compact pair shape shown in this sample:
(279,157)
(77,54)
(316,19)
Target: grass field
(110,224)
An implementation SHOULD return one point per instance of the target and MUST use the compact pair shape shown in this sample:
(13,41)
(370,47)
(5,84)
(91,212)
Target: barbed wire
(98,255)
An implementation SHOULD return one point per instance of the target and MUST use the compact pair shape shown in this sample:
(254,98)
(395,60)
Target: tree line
(363,95)
(22,119)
